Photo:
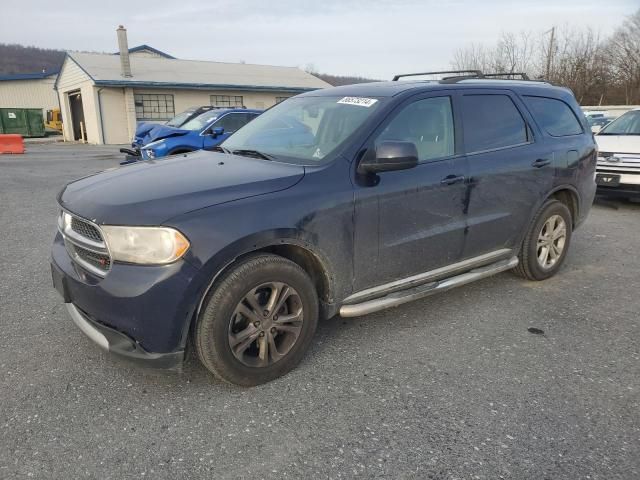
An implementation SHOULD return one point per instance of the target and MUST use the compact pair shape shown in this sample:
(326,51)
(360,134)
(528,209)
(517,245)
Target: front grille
(98,260)
(85,229)
(85,244)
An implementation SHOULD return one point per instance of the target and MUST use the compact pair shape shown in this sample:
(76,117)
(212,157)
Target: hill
(21,59)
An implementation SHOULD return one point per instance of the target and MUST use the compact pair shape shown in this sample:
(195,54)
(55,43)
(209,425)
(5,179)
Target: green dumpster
(27,122)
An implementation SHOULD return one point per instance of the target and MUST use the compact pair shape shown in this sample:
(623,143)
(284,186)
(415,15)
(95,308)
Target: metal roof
(143,47)
(28,76)
(104,69)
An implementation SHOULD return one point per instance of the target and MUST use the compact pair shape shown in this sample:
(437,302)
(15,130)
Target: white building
(29,90)
(102,96)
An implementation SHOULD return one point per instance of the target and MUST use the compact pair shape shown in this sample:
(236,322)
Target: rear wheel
(547,242)
(258,321)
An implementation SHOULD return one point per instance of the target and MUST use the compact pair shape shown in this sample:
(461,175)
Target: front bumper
(626,184)
(619,175)
(112,341)
(139,312)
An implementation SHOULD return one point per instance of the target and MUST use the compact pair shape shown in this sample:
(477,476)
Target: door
(230,123)
(412,221)
(77,116)
(510,169)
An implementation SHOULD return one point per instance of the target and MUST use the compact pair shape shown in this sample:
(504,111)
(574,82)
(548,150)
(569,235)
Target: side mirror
(390,156)
(596,128)
(216,132)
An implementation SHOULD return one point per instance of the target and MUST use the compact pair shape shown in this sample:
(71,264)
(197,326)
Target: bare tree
(596,70)
(623,49)
(475,57)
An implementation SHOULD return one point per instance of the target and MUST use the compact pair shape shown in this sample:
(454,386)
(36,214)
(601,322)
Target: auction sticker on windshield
(360,101)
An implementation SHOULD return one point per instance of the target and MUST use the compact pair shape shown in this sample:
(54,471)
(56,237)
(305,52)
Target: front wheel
(547,242)
(258,321)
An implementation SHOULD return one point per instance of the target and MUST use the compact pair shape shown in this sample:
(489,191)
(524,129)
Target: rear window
(555,116)
(492,122)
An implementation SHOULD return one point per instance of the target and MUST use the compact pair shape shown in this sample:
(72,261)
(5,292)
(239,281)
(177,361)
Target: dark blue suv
(342,201)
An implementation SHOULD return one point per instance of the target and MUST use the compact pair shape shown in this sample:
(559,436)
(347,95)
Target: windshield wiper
(220,148)
(253,153)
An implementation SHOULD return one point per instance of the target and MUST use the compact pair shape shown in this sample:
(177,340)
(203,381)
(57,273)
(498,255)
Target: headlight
(145,245)
(149,148)
(64,220)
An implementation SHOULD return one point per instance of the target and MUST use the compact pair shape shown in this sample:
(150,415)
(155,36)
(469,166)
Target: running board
(405,296)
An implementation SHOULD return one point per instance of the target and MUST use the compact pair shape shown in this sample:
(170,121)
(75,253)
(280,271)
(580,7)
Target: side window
(428,124)
(490,122)
(231,122)
(555,116)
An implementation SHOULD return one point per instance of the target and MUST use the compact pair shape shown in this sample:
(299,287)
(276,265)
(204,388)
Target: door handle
(541,162)
(452,179)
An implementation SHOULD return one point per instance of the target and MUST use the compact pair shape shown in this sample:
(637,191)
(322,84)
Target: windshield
(304,129)
(627,124)
(180,118)
(598,121)
(201,121)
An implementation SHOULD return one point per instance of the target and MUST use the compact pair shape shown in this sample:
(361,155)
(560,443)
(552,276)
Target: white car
(618,170)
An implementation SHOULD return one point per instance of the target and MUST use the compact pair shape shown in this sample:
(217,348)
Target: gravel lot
(453,386)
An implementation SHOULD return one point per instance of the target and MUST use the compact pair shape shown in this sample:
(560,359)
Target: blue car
(144,129)
(201,133)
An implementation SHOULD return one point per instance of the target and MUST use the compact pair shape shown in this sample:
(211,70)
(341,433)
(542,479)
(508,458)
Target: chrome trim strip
(399,298)
(84,242)
(86,265)
(421,278)
(88,329)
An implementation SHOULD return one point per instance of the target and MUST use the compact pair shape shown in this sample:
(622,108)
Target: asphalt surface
(451,387)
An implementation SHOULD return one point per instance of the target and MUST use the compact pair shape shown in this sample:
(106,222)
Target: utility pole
(550,52)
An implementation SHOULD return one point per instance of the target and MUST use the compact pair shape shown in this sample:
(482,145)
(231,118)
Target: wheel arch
(292,247)
(179,150)
(569,196)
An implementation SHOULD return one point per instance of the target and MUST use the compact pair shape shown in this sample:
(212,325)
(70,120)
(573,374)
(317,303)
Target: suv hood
(618,143)
(162,131)
(151,192)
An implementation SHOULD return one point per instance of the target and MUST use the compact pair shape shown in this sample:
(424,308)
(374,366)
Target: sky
(375,38)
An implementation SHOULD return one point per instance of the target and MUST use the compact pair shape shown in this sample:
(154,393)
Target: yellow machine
(54,120)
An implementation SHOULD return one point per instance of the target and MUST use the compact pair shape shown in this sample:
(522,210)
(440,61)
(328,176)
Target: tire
(533,264)
(243,346)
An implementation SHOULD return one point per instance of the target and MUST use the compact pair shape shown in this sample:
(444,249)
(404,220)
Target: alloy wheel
(266,324)
(551,241)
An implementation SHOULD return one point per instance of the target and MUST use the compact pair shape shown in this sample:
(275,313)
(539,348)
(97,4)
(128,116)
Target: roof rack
(522,75)
(466,75)
(474,74)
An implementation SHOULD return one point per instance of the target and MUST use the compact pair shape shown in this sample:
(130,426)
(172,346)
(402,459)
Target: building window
(281,99)
(154,106)
(226,100)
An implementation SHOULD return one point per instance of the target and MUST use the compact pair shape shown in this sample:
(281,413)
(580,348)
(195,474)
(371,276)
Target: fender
(555,189)
(224,259)
(269,238)
(576,193)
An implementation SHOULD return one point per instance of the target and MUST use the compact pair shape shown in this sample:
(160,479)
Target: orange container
(11,143)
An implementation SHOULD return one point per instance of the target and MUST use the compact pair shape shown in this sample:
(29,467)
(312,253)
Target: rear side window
(555,116)
(491,122)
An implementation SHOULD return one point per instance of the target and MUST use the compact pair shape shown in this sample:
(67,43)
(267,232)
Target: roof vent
(125,64)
